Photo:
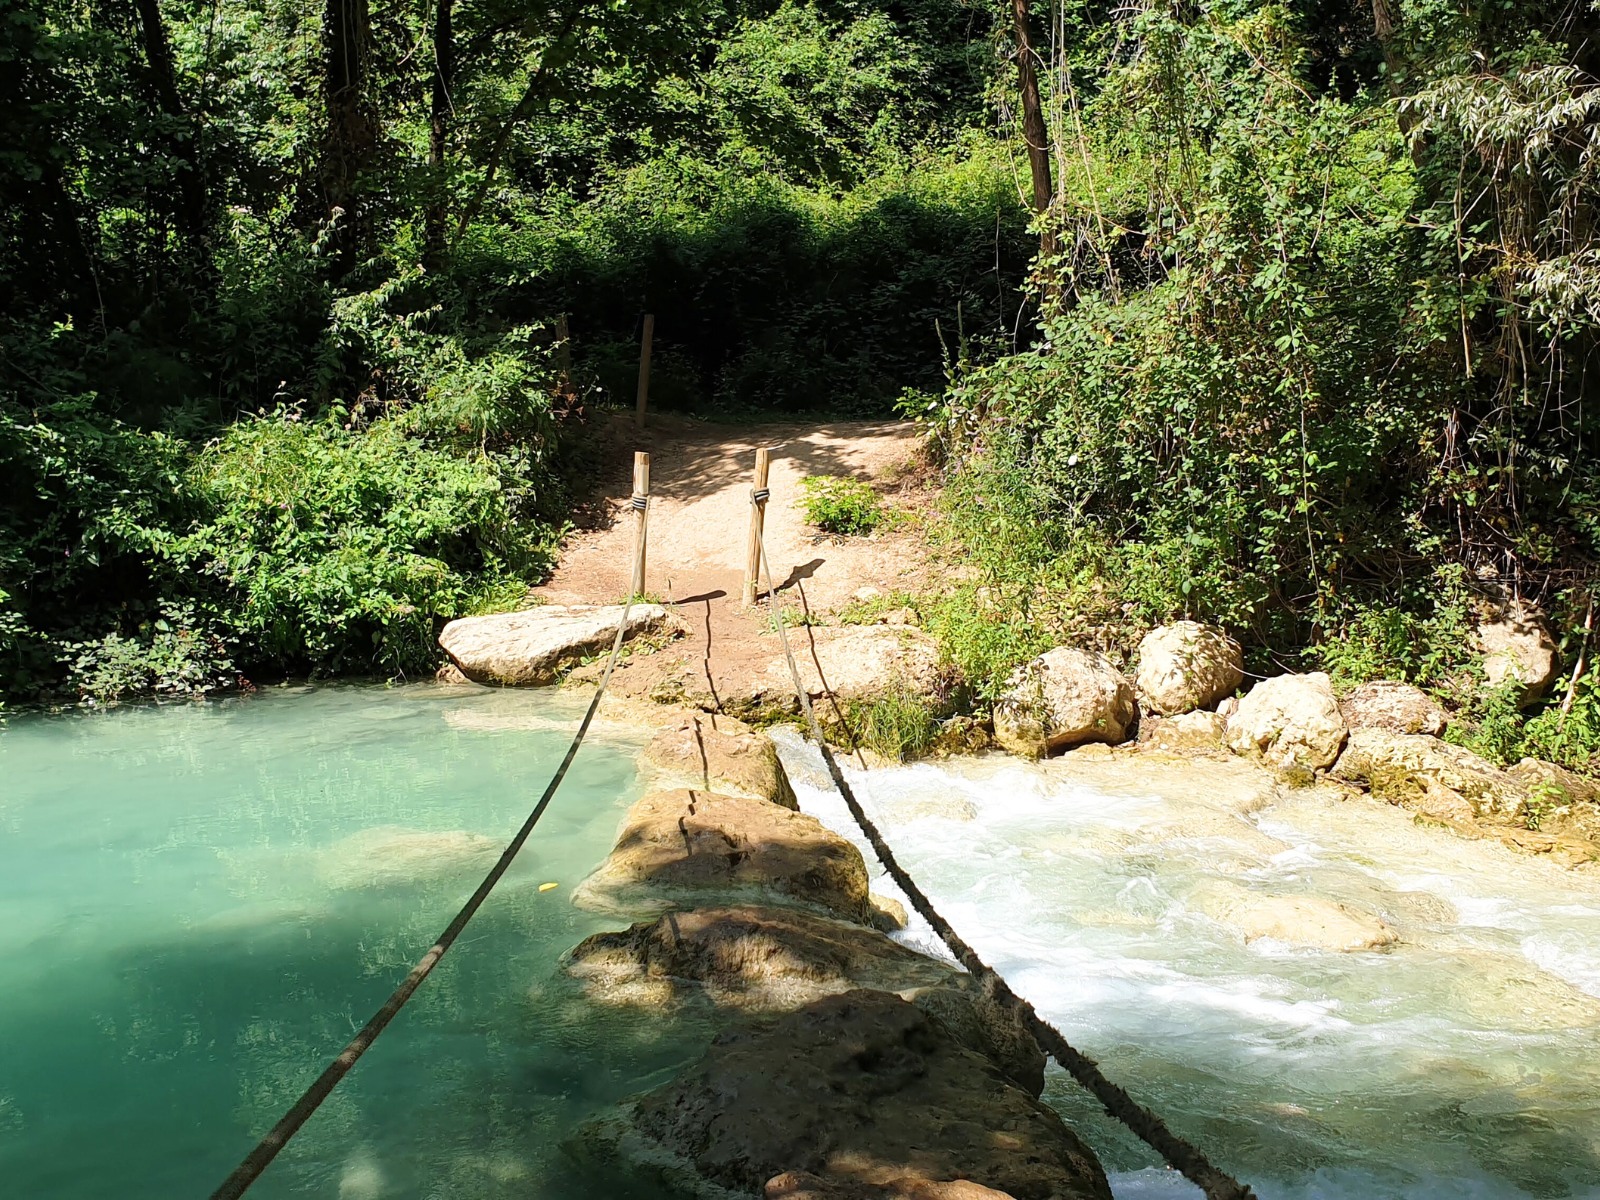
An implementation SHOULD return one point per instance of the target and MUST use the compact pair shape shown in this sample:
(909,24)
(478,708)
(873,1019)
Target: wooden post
(641,517)
(564,354)
(644,368)
(758,512)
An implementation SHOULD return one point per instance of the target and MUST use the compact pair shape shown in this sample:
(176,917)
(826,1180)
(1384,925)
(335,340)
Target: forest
(1276,315)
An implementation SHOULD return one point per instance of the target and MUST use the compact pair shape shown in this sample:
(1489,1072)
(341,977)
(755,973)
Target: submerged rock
(1422,772)
(1393,707)
(721,755)
(684,847)
(860,1090)
(1186,665)
(1289,721)
(1310,922)
(768,960)
(1064,698)
(532,647)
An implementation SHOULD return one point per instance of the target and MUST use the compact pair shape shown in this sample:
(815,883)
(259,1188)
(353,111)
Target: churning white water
(1461,1062)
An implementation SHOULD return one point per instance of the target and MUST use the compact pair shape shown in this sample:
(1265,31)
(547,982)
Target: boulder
(1517,648)
(1422,772)
(771,960)
(532,647)
(1063,698)
(1186,665)
(1393,707)
(1188,733)
(1309,922)
(721,755)
(1559,801)
(863,662)
(684,847)
(860,1090)
(888,914)
(1289,721)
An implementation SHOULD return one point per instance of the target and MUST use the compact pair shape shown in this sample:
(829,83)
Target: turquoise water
(199,904)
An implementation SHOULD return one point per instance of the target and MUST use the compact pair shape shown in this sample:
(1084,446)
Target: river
(200,903)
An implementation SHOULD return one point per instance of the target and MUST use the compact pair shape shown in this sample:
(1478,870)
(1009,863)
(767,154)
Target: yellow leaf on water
(545,887)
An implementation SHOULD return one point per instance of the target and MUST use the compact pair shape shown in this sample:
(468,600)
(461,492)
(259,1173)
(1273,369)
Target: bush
(835,505)
(177,654)
(898,725)
(342,550)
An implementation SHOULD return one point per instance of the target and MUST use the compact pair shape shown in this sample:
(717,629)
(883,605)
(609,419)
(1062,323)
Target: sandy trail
(699,518)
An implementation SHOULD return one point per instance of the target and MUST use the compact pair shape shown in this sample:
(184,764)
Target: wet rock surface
(1435,777)
(719,754)
(766,960)
(1309,922)
(802,1185)
(1289,721)
(682,847)
(1064,698)
(532,647)
(860,1090)
(1186,665)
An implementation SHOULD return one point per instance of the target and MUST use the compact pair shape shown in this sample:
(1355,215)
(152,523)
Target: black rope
(761,495)
(641,502)
(257,1161)
(1151,1129)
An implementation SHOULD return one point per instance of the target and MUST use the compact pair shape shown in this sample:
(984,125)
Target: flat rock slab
(680,848)
(721,755)
(772,960)
(862,662)
(532,647)
(860,1090)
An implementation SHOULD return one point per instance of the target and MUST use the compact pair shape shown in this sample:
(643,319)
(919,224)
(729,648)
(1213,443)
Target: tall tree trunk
(191,181)
(436,238)
(1033,127)
(352,132)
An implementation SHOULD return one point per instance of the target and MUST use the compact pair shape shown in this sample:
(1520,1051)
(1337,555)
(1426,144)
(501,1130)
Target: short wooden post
(644,367)
(564,354)
(758,513)
(641,518)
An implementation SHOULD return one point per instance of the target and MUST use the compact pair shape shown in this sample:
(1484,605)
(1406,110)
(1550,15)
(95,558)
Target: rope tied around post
(1181,1155)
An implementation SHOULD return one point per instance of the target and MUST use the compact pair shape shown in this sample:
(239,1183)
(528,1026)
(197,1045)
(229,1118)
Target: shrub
(898,725)
(343,550)
(177,654)
(837,505)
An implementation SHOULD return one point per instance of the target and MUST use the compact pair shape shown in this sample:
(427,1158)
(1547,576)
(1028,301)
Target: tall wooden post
(644,368)
(758,513)
(641,517)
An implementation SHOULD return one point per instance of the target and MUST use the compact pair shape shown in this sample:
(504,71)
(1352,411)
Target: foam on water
(1464,1062)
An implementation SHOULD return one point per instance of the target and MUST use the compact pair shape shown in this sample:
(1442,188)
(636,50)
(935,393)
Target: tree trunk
(436,239)
(352,129)
(1033,127)
(191,179)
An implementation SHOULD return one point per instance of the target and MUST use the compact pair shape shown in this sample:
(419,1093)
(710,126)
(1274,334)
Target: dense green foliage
(1319,365)
(282,385)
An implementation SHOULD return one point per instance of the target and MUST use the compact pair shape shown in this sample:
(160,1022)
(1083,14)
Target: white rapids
(1461,1062)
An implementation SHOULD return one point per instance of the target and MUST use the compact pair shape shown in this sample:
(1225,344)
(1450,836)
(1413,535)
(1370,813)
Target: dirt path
(699,516)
